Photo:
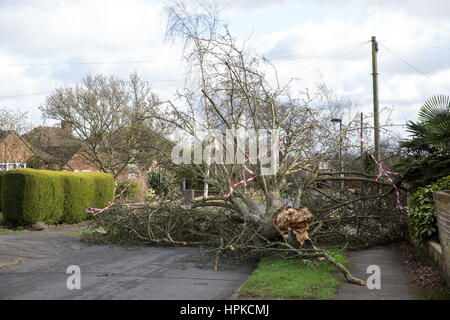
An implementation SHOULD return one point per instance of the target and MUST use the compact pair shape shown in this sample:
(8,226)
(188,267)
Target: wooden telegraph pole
(375,98)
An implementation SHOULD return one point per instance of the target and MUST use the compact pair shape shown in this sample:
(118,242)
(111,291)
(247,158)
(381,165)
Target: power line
(411,66)
(169,82)
(87,63)
(309,52)
(326,58)
(26,94)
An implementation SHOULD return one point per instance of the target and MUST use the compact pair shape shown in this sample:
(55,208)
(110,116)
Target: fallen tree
(262,209)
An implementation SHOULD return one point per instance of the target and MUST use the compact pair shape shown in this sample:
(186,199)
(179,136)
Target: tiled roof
(53,144)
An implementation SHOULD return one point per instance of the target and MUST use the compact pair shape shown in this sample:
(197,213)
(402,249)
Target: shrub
(82,190)
(127,190)
(78,194)
(29,196)
(1,177)
(163,182)
(32,195)
(35,162)
(103,188)
(422,223)
(151,195)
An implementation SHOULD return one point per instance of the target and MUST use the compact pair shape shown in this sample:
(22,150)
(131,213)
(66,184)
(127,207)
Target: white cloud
(102,32)
(312,40)
(339,57)
(429,8)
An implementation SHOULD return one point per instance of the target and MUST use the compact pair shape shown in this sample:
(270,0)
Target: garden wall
(442,204)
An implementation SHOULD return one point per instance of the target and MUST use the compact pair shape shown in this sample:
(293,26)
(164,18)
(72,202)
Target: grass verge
(281,278)
(84,232)
(4,229)
(18,230)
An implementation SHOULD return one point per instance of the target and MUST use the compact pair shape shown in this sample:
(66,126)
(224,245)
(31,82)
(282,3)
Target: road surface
(34,266)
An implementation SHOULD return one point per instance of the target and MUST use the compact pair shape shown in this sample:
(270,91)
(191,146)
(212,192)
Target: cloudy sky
(48,44)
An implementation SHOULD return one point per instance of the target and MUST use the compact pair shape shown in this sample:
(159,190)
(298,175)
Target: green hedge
(103,189)
(30,195)
(422,222)
(78,195)
(1,179)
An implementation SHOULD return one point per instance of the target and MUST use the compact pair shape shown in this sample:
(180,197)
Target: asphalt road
(34,266)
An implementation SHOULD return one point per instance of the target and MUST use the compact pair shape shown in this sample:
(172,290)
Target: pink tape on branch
(279,144)
(380,169)
(383,172)
(96,211)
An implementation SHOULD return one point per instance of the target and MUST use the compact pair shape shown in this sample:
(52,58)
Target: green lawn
(280,278)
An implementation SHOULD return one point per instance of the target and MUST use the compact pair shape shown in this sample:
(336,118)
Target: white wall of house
(5,166)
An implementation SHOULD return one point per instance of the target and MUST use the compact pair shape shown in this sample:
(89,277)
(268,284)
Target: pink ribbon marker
(96,211)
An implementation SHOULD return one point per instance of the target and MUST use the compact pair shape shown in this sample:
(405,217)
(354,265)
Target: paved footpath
(394,281)
(35,263)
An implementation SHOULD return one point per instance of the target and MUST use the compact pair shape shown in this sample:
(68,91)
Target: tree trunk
(273,202)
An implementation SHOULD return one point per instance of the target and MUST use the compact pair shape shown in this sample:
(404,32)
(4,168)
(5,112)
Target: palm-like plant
(427,155)
(435,113)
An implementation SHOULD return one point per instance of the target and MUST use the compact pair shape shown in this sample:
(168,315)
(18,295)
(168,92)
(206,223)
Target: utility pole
(362,147)
(362,153)
(341,163)
(375,98)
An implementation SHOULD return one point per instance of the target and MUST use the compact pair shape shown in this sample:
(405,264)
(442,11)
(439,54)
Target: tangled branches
(219,232)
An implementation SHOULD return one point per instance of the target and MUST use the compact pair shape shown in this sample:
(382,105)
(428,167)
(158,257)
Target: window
(12,165)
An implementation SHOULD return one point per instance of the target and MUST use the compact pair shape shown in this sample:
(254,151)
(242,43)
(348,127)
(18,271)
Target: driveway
(35,264)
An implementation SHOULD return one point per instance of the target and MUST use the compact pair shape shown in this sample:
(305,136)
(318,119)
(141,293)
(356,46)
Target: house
(58,149)
(14,151)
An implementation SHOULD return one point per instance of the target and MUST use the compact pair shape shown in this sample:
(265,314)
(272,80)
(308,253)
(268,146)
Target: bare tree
(113,119)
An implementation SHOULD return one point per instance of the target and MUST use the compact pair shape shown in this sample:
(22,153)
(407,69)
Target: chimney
(66,126)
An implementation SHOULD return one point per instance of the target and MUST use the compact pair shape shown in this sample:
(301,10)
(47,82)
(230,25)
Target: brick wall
(442,204)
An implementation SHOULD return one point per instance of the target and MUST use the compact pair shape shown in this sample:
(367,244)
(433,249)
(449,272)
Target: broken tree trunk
(294,224)
(343,269)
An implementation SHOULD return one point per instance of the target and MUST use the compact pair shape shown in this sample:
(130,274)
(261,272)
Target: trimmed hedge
(30,195)
(103,189)
(1,179)
(78,195)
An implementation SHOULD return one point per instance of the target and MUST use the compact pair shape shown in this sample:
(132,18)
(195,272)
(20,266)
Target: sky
(48,44)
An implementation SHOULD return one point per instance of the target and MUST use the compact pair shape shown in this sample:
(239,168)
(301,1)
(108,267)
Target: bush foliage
(163,182)
(1,179)
(29,195)
(422,221)
(127,190)
(427,150)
